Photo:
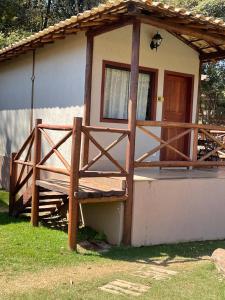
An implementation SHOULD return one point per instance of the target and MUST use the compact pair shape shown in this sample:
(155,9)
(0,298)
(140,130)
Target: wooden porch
(32,180)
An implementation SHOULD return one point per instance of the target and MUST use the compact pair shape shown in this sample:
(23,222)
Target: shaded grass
(26,248)
(4,199)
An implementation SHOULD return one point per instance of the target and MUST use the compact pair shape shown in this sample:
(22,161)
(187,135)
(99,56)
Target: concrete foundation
(106,218)
(170,206)
(178,206)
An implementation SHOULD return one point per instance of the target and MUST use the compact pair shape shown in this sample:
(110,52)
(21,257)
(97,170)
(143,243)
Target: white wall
(15,94)
(173,55)
(59,80)
(59,86)
(58,91)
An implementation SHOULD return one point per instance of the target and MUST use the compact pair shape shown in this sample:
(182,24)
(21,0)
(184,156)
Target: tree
(212,96)
(214,8)
(212,99)
(19,18)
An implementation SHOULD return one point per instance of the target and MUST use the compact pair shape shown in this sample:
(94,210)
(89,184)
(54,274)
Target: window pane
(116,94)
(143,96)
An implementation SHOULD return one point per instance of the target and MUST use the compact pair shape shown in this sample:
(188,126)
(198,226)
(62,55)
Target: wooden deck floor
(93,189)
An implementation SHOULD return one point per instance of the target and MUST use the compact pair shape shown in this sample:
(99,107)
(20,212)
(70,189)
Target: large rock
(218,257)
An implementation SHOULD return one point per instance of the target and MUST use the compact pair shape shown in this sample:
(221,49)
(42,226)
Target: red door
(176,108)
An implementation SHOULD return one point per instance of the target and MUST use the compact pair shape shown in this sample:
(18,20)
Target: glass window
(116,94)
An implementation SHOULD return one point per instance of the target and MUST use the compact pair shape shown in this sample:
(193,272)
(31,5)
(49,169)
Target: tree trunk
(47,13)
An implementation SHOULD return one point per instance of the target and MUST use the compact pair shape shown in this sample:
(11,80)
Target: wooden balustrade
(210,153)
(18,167)
(43,130)
(25,168)
(24,160)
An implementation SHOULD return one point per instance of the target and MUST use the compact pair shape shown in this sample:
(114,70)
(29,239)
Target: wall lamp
(156,41)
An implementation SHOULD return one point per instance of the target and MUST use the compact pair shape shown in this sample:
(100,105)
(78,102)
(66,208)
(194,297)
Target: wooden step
(49,207)
(50,201)
(42,214)
(51,195)
(51,218)
(23,201)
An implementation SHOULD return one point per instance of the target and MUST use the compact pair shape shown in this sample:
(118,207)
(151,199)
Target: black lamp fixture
(156,41)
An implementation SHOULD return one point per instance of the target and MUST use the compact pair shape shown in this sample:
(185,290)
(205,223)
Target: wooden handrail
(179,125)
(106,129)
(52,169)
(55,127)
(88,128)
(27,141)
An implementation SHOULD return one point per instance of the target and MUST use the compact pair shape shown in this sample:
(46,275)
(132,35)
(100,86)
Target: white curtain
(116,94)
(143,95)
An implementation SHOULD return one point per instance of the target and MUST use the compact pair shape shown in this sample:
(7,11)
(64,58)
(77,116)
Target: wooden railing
(19,177)
(42,131)
(123,133)
(35,161)
(209,137)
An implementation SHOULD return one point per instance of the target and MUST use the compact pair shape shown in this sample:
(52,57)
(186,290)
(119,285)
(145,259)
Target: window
(115,92)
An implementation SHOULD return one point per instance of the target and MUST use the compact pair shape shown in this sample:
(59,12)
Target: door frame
(191,77)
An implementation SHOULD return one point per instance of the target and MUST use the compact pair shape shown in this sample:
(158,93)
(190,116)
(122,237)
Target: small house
(128,71)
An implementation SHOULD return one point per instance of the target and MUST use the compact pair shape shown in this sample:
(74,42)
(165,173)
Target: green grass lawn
(42,254)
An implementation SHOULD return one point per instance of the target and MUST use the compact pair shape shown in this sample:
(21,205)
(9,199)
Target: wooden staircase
(49,203)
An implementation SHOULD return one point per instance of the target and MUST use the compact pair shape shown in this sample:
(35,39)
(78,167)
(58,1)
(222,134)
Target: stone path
(156,273)
(122,287)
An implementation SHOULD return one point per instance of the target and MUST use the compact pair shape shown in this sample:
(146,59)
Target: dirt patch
(49,278)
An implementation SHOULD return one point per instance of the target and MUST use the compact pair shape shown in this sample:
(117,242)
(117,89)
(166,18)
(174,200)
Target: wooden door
(177,107)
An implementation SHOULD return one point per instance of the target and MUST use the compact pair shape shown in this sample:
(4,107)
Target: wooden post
(87,95)
(36,174)
(195,145)
(13,178)
(74,183)
(132,108)
(199,92)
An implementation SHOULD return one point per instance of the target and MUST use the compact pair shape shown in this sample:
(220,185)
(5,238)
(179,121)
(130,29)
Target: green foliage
(190,4)
(19,18)
(12,37)
(214,8)
(212,98)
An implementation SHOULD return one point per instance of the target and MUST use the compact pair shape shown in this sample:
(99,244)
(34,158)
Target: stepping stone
(218,257)
(156,273)
(122,287)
